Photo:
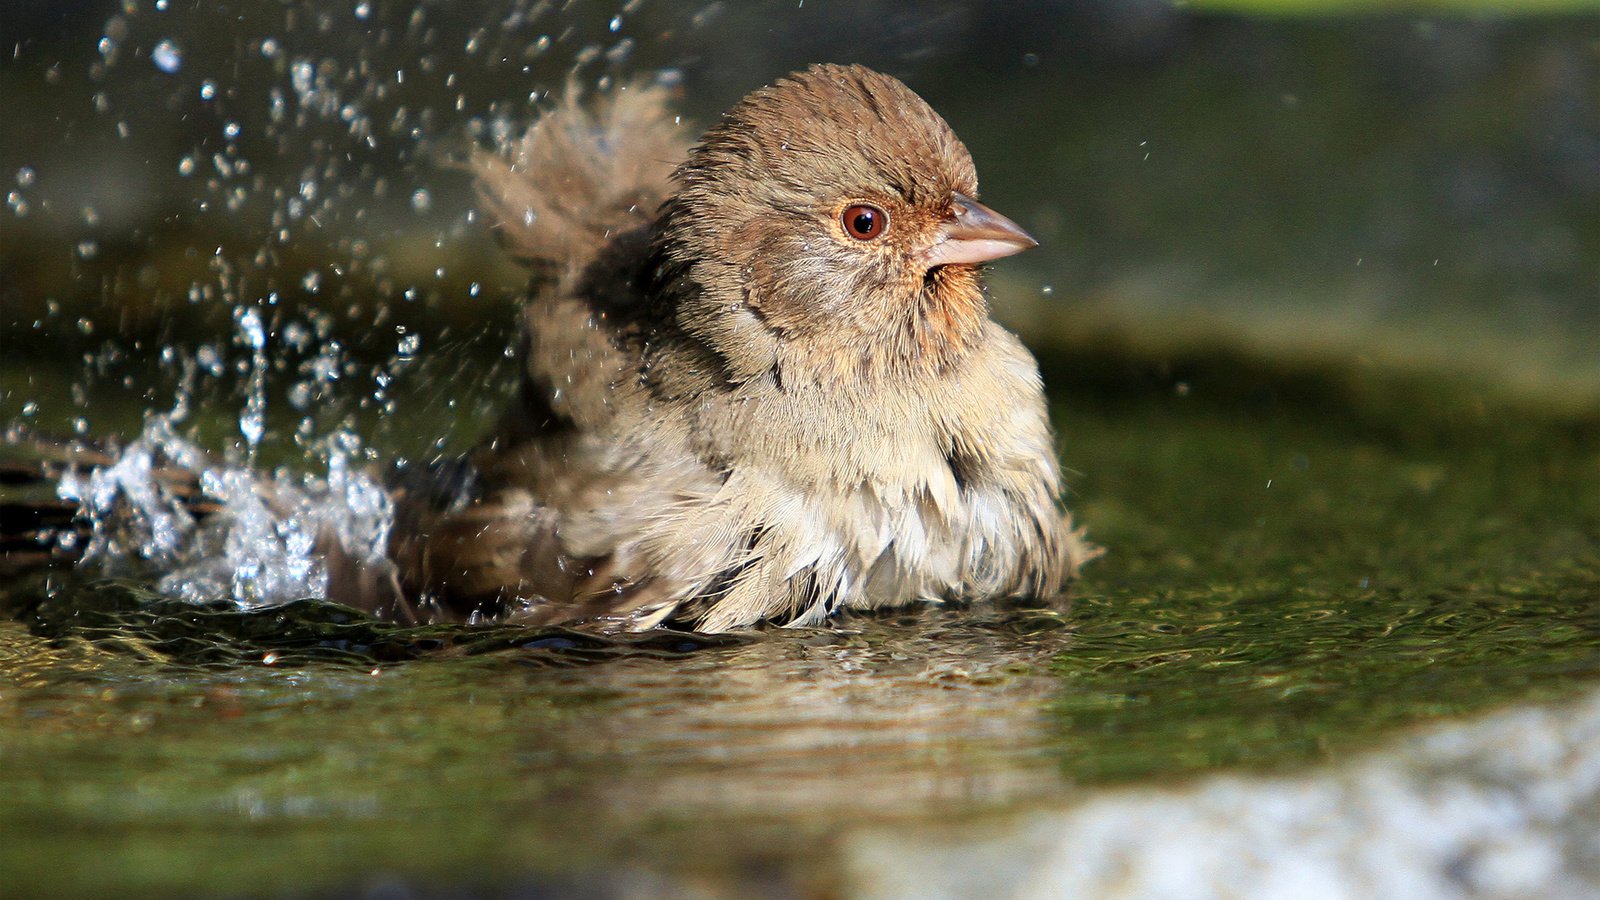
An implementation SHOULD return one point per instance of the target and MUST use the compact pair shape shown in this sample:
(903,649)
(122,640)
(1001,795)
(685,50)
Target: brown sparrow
(762,385)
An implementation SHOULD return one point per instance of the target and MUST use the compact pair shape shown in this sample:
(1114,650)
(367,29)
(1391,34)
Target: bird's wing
(574,199)
(555,531)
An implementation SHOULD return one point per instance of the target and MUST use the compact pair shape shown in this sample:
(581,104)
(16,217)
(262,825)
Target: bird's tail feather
(588,168)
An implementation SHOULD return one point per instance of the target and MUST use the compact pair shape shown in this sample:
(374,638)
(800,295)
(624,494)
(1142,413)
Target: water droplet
(621,51)
(251,330)
(302,76)
(209,359)
(167,57)
(253,426)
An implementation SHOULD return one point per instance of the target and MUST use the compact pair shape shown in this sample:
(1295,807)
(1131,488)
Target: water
(519,763)
(1253,326)
(1289,583)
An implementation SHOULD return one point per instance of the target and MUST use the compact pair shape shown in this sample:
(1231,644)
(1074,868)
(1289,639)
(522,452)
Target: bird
(760,380)
(760,385)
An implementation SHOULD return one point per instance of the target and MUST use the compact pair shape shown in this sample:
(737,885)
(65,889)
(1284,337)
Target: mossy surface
(1303,558)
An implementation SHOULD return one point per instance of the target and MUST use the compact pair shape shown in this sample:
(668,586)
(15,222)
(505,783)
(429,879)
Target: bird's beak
(974,233)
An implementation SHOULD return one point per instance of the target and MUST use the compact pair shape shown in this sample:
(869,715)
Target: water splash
(252,334)
(320,239)
(225,530)
(134,514)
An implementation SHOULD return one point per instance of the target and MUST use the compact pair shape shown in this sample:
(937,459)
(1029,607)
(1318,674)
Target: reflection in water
(879,720)
(563,753)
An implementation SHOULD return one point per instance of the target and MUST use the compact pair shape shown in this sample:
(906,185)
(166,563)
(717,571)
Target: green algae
(1303,558)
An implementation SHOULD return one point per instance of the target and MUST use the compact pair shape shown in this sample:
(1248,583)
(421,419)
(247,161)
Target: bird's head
(834,208)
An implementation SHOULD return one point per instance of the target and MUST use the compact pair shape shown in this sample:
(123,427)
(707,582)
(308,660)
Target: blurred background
(1292,251)
(1416,185)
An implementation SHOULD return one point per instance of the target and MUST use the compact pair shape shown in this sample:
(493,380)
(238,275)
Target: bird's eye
(864,222)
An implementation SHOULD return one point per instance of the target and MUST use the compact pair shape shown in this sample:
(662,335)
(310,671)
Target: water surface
(1296,568)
